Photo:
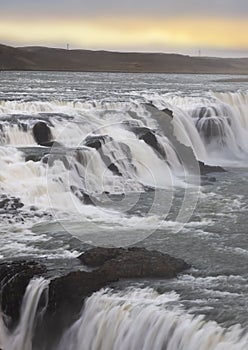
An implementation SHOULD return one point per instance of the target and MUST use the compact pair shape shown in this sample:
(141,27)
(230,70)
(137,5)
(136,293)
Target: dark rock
(112,167)
(14,278)
(10,203)
(133,262)
(149,137)
(82,195)
(97,141)
(168,111)
(98,256)
(67,293)
(206,169)
(42,134)
(66,298)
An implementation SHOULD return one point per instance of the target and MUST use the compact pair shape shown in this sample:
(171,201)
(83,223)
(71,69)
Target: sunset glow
(126,33)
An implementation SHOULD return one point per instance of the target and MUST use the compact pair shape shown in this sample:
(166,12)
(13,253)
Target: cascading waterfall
(144,320)
(212,125)
(111,141)
(208,124)
(219,120)
(21,337)
(126,320)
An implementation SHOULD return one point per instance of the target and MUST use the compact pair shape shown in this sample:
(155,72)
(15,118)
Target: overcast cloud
(230,8)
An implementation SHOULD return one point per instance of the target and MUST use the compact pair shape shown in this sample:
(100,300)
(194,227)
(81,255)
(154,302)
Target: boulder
(42,134)
(133,263)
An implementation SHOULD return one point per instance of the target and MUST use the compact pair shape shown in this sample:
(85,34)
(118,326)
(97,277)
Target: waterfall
(21,337)
(144,320)
(134,144)
(216,126)
(125,320)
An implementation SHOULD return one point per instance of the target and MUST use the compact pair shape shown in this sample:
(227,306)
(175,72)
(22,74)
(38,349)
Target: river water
(203,223)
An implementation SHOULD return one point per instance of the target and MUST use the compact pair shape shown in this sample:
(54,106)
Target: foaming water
(138,187)
(21,338)
(144,320)
(129,319)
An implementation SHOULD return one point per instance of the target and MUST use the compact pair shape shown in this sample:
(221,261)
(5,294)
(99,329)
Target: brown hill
(42,58)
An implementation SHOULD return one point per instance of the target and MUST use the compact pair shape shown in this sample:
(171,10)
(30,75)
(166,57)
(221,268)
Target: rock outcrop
(133,263)
(67,292)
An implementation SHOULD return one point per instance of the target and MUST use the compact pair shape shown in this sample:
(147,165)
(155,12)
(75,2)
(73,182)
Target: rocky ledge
(67,292)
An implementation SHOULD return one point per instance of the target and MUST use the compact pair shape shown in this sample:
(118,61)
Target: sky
(195,27)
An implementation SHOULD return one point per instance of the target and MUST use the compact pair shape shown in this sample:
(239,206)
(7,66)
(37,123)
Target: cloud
(91,8)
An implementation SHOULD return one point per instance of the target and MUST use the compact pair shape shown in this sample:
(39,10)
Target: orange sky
(127,33)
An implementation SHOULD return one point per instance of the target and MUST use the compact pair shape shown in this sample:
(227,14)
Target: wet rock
(168,111)
(133,263)
(98,256)
(14,278)
(206,169)
(97,141)
(83,196)
(8,204)
(42,134)
(67,292)
(149,137)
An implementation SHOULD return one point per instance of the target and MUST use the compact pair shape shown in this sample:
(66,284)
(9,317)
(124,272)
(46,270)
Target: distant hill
(52,59)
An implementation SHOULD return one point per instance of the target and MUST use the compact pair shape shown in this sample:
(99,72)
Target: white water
(143,320)
(136,318)
(219,120)
(133,319)
(213,125)
(21,338)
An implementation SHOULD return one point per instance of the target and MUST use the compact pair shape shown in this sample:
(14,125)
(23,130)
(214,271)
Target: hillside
(42,58)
